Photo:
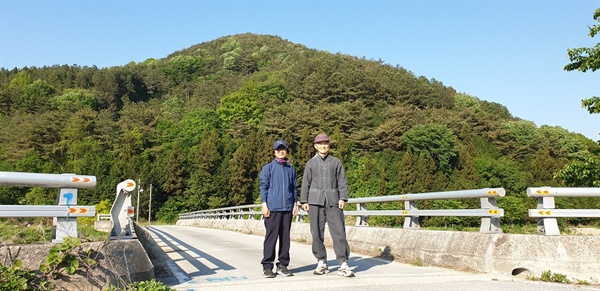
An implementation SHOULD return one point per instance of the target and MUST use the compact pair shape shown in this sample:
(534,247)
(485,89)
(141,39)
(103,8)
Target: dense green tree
(434,140)
(35,96)
(175,173)
(584,171)
(243,108)
(464,176)
(205,165)
(240,176)
(183,68)
(584,59)
(503,172)
(74,99)
(194,124)
(21,79)
(587,59)
(408,174)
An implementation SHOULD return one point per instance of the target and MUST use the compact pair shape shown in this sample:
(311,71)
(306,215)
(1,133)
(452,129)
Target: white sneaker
(344,270)
(321,268)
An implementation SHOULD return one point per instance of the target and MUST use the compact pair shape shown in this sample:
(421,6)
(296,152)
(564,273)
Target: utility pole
(150,205)
(137,208)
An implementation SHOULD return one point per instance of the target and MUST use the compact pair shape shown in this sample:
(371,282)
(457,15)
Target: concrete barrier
(576,257)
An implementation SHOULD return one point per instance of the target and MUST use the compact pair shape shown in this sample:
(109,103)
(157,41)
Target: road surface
(212,259)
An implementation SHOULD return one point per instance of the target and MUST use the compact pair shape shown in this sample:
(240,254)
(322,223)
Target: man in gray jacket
(324,195)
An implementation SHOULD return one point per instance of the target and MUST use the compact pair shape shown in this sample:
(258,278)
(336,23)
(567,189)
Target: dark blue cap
(278,143)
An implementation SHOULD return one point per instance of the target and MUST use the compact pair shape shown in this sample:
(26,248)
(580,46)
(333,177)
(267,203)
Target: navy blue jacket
(278,186)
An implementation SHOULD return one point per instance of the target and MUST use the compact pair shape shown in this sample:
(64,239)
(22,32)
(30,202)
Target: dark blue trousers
(278,226)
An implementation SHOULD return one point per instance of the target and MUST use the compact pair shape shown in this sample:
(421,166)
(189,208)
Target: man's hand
(341,204)
(265,210)
(305,207)
(294,210)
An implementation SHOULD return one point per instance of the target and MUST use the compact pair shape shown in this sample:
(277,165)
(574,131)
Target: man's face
(281,152)
(322,147)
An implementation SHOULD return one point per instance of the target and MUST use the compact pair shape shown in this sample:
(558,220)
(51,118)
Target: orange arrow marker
(129,211)
(78,210)
(130,184)
(86,180)
(75,179)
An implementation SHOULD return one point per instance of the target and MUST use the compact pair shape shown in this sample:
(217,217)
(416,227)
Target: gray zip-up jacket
(324,181)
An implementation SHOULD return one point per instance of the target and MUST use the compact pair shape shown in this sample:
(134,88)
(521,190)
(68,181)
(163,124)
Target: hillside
(198,126)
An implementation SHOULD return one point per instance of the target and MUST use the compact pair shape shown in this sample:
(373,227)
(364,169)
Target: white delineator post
(122,211)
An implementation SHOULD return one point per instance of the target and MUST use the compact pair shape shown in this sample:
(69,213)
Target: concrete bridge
(215,251)
(225,255)
(222,254)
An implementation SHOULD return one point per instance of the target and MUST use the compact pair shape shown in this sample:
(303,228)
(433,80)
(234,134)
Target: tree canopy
(198,126)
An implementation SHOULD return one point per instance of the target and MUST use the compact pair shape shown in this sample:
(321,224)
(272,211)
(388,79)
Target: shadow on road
(190,254)
(357,264)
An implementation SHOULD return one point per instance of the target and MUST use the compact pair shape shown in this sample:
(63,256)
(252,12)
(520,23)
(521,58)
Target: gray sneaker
(344,270)
(268,273)
(321,268)
(283,270)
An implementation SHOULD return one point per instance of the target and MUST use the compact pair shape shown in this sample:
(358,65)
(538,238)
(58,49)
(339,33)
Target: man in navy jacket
(278,195)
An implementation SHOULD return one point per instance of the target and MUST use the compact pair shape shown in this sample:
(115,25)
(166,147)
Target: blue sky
(509,52)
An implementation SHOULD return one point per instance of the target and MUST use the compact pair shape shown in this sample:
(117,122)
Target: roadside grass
(14,231)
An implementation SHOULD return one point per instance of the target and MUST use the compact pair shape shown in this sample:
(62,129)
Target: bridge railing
(65,213)
(546,212)
(232,212)
(489,211)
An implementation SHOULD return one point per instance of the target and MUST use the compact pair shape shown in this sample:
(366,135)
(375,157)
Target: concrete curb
(576,257)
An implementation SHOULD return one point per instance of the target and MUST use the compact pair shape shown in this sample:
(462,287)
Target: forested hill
(199,124)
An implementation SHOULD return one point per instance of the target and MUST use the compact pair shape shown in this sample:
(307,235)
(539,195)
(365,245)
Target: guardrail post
(411,221)
(490,224)
(65,226)
(362,219)
(547,225)
(546,212)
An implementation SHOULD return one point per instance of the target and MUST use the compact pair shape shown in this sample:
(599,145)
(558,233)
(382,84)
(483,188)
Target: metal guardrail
(103,216)
(47,211)
(546,212)
(65,213)
(489,211)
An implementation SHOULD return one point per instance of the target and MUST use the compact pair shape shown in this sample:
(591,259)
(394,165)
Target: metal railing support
(546,212)
(121,211)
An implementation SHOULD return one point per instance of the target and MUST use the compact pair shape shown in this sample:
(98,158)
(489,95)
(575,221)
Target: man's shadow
(357,264)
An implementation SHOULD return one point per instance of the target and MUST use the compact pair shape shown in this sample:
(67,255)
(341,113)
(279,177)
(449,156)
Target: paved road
(211,259)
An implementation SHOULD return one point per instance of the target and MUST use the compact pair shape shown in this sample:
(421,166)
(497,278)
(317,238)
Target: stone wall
(120,262)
